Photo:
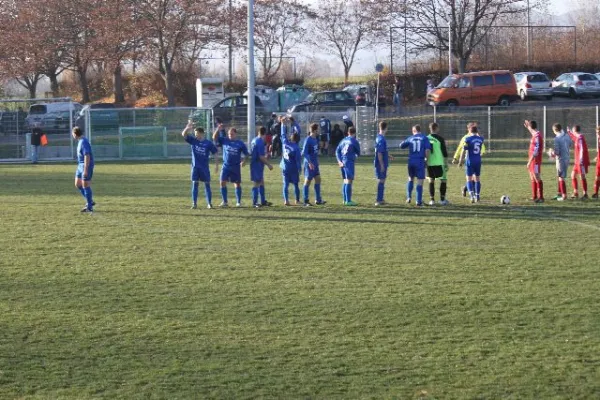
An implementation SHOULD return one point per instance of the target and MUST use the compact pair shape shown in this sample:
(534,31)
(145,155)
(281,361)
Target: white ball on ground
(504,199)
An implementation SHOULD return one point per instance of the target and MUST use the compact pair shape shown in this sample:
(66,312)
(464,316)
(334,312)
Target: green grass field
(149,299)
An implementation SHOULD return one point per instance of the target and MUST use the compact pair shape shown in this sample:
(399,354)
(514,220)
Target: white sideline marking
(550,216)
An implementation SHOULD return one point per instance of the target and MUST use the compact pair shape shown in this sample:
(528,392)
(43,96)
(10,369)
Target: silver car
(576,84)
(533,84)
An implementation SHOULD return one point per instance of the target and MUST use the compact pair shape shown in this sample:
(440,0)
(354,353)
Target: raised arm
(284,137)
(187,128)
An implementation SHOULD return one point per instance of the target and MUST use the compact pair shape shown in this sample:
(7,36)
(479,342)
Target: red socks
(584,185)
(540,186)
(563,187)
(534,189)
(574,183)
(596,186)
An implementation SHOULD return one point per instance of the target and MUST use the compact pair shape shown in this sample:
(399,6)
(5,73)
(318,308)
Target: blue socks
(82,192)
(224,194)
(419,194)
(261,190)
(238,194)
(318,192)
(194,193)
(349,192)
(470,187)
(344,193)
(306,193)
(409,188)
(380,191)
(297,191)
(207,193)
(477,189)
(88,197)
(286,196)
(254,196)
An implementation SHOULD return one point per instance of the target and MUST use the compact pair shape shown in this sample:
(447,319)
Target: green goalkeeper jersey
(435,157)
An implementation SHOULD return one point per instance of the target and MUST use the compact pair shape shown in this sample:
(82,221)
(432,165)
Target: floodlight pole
(449,46)
(251,77)
(528,33)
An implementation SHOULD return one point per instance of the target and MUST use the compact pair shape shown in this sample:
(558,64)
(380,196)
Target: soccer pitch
(149,299)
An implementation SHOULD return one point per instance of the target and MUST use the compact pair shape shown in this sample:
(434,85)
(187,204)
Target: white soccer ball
(504,199)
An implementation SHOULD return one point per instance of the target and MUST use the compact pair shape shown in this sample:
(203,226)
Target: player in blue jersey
(233,149)
(258,160)
(418,151)
(85,169)
(325,125)
(381,162)
(346,153)
(472,151)
(291,163)
(310,153)
(201,150)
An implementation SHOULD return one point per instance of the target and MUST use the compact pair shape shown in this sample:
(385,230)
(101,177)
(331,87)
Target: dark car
(325,101)
(364,95)
(234,109)
(103,116)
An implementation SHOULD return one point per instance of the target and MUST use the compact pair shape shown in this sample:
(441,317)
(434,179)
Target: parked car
(235,109)
(333,100)
(533,84)
(52,117)
(102,116)
(474,89)
(364,95)
(576,84)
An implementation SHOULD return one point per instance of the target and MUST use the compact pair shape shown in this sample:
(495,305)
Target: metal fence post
(435,114)
(545,128)
(165,146)
(597,120)
(120,144)
(489,147)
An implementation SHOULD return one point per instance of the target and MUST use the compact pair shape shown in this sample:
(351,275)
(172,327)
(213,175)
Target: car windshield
(37,109)
(587,77)
(537,78)
(102,105)
(448,82)
(310,97)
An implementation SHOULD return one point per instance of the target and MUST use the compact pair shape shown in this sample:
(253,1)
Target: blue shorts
(291,176)
(79,172)
(230,173)
(201,174)
(474,169)
(416,171)
(379,173)
(257,172)
(348,171)
(311,174)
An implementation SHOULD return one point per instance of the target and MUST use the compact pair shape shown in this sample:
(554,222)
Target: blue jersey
(348,150)
(84,148)
(296,128)
(232,151)
(310,151)
(325,126)
(291,159)
(417,145)
(473,146)
(381,148)
(257,150)
(201,151)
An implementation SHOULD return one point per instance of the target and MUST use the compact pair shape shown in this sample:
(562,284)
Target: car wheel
(522,95)
(573,94)
(504,101)
(452,104)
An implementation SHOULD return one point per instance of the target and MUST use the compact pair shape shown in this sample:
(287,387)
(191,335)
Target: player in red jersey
(597,159)
(534,163)
(582,161)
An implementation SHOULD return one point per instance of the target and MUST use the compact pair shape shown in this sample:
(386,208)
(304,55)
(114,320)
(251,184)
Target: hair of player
(232,130)
(417,128)
(473,129)
(77,131)
(351,131)
(577,128)
(557,127)
(598,129)
(292,118)
(314,127)
(199,131)
(295,137)
(533,124)
(383,125)
(262,131)
(433,126)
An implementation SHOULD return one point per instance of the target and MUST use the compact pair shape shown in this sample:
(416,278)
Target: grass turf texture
(149,299)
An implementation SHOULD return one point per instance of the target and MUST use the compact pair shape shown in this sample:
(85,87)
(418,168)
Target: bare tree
(468,20)
(279,25)
(343,27)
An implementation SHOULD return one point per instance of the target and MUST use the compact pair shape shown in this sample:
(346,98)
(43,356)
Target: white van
(52,117)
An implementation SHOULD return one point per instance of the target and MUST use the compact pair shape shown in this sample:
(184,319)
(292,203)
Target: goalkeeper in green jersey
(437,165)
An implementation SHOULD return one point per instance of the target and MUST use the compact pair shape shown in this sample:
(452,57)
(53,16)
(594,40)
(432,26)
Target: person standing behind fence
(325,125)
(582,161)
(534,163)
(276,133)
(36,142)
(233,149)
(398,94)
(85,169)
(560,153)
(347,124)
(336,137)
(291,163)
(201,151)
